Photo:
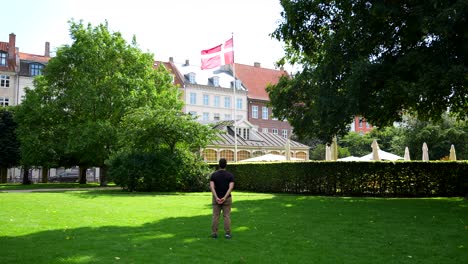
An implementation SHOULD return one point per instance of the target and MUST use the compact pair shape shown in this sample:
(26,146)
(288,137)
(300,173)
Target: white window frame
(227,117)
(206,116)
(217,101)
(274,131)
(4,81)
(193,98)
(265,130)
(191,76)
(4,101)
(285,133)
(264,113)
(206,99)
(255,111)
(227,102)
(3,58)
(239,103)
(216,117)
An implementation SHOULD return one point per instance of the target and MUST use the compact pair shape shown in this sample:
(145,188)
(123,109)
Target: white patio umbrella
(334,149)
(407,156)
(375,150)
(327,153)
(425,152)
(288,150)
(453,155)
(383,155)
(269,157)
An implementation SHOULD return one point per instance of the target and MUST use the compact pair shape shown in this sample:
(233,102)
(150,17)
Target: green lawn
(116,227)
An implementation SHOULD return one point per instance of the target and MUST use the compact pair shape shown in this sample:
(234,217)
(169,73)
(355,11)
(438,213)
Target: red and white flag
(217,56)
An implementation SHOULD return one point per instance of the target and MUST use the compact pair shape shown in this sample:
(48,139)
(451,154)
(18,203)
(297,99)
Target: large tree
(89,86)
(9,144)
(378,59)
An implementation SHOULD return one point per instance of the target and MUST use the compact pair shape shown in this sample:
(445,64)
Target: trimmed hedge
(402,178)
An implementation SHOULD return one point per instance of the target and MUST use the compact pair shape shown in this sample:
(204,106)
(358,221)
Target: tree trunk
(3,174)
(26,175)
(45,174)
(103,175)
(83,170)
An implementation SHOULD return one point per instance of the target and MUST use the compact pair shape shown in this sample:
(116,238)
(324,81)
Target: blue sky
(177,28)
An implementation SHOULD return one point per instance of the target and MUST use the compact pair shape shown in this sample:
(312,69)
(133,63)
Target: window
(239,103)
(192,113)
(217,101)
(367,125)
(4,81)
(227,117)
(209,154)
(265,112)
(254,111)
(360,122)
(301,155)
(4,101)
(206,116)
(3,58)
(285,133)
(244,133)
(215,81)
(227,102)
(264,130)
(239,117)
(216,117)
(243,154)
(36,69)
(237,83)
(206,99)
(227,154)
(193,98)
(275,131)
(191,77)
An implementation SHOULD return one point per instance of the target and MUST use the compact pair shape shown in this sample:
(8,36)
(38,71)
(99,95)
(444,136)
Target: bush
(410,179)
(161,170)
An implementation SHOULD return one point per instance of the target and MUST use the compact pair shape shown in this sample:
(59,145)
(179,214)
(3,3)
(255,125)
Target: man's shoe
(214,236)
(228,236)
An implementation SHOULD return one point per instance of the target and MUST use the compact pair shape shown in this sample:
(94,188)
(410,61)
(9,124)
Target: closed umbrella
(288,149)
(453,155)
(327,153)
(425,151)
(407,156)
(375,150)
(334,149)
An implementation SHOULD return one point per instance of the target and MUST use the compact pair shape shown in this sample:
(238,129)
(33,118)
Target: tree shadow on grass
(266,229)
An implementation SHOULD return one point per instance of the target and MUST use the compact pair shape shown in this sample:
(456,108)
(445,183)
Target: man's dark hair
(222,163)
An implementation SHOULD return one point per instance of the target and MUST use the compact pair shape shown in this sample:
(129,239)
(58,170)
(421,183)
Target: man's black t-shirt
(221,179)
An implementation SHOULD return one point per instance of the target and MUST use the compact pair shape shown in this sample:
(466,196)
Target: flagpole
(235,99)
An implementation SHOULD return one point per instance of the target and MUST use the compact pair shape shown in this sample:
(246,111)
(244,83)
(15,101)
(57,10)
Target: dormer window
(237,82)
(3,58)
(215,81)
(36,69)
(191,77)
(243,132)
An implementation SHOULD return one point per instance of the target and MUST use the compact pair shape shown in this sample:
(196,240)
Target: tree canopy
(9,144)
(77,106)
(377,59)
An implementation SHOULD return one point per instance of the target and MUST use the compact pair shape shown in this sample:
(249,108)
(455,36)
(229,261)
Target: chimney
(257,64)
(187,62)
(171,59)
(12,46)
(47,49)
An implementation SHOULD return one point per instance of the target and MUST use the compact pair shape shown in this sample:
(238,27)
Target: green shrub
(409,179)
(161,170)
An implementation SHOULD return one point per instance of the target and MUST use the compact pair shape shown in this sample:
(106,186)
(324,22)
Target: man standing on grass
(221,185)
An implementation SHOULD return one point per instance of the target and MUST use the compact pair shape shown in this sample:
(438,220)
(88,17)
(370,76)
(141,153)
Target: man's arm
(231,186)
(213,191)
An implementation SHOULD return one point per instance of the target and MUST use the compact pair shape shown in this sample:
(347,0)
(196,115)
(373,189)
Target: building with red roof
(17,70)
(256,79)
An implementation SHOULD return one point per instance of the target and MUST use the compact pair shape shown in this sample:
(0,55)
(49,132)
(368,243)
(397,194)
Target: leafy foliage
(78,105)
(413,179)
(377,59)
(9,144)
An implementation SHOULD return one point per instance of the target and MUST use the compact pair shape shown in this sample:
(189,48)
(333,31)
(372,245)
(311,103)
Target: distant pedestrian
(221,185)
